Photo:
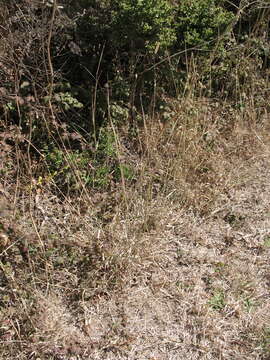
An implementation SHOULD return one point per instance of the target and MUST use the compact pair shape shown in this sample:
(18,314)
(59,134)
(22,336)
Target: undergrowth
(116,119)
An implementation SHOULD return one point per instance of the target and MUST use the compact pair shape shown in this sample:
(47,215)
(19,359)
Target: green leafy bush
(143,25)
(200,23)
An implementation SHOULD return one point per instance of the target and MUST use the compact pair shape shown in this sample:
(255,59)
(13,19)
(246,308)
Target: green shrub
(142,25)
(200,23)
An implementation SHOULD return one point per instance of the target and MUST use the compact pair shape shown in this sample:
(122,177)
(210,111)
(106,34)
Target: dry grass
(179,270)
(171,265)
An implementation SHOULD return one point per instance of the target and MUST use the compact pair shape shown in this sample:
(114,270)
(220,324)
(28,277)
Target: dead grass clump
(192,153)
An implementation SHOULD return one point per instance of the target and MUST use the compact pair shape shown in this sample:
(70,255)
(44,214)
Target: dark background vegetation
(68,73)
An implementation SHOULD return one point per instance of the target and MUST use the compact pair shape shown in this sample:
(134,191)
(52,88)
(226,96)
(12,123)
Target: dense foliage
(70,70)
